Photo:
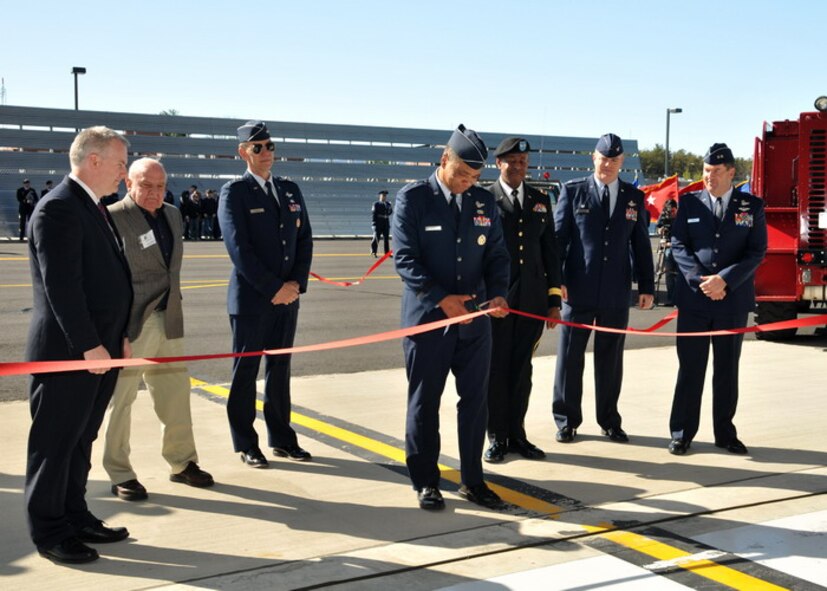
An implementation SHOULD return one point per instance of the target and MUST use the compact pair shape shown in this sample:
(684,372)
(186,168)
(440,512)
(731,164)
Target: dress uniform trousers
(515,339)
(428,359)
(381,229)
(608,367)
(274,329)
(693,354)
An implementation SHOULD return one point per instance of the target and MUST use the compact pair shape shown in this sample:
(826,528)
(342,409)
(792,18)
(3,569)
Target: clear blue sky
(534,67)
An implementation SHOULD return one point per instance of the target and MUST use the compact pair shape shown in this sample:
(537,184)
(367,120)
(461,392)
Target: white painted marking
(794,545)
(606,573)
(712,555)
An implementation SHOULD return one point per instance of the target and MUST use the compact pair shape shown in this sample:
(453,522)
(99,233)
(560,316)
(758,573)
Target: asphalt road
(327,313)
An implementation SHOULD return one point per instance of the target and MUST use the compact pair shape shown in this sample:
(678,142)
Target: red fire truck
(790,173)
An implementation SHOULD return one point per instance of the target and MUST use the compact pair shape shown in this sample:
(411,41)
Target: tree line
(685,164)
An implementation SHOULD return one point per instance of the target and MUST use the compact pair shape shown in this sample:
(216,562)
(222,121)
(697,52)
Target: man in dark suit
(26,200)
(151,232)
(267,234)
(450,253)
(599,220)
(82,296)
(719,238)
(380,221)
(534,287)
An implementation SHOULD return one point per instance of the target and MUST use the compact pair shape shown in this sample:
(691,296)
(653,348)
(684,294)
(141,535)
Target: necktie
(518,209)
(455,207)
(105,214)
(718,208)
(604,201)
(270,193)
(272,196)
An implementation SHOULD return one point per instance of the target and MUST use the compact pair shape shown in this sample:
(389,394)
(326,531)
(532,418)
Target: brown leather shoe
(194,476)
(131,490)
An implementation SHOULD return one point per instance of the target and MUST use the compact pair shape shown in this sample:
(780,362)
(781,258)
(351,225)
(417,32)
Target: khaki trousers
(169,386)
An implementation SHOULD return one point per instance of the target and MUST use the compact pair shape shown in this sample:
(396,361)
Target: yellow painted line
(14,259)
(704,568)
(15,285)
(641,544)
(221,284)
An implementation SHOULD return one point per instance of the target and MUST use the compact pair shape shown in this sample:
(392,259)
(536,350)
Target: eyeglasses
(257,148)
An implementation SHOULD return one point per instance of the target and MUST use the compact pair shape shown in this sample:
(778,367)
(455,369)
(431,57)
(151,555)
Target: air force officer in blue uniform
(267,234)
(599,221)
(719,238)
(450,253)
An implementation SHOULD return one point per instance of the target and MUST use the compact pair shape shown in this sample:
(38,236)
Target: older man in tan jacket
(151,233)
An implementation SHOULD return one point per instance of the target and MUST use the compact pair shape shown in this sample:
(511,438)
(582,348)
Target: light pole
(75,71)
(666,152)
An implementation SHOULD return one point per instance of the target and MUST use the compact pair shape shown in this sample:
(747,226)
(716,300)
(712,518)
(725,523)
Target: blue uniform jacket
(267,244)
(435,258)
(597,269)
(732,248)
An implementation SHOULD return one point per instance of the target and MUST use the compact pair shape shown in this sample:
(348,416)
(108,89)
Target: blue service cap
(512,145)
(253,131)
(719,154)
(469,146)
(609,145)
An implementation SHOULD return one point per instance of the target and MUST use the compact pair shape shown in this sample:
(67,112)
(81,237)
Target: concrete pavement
(594,514)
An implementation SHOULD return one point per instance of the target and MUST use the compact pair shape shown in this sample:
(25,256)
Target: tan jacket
(150,276)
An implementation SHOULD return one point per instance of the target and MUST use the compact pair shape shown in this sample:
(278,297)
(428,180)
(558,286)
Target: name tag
(147,240)
(257,210)
(433,228)
(693,220)
(581,211)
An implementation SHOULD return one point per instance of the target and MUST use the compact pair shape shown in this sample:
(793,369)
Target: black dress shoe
(430,499)
(496,453)
(616,434)
(98,533)
(294,452)
(254,458)
(734,447)
(566,435)
(526,449)
(69,551)
(679,447)
(481,495)
(131,490)
(194,476)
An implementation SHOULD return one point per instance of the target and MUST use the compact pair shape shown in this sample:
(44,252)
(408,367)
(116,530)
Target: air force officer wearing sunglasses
(267,234)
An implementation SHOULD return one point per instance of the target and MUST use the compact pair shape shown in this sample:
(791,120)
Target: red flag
(656,195)
(692,187)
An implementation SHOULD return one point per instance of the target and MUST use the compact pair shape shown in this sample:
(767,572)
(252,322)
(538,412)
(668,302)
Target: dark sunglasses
(257,148)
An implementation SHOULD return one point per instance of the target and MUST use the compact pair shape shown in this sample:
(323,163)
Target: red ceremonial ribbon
(773,326)
(37,367)
(351,283)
